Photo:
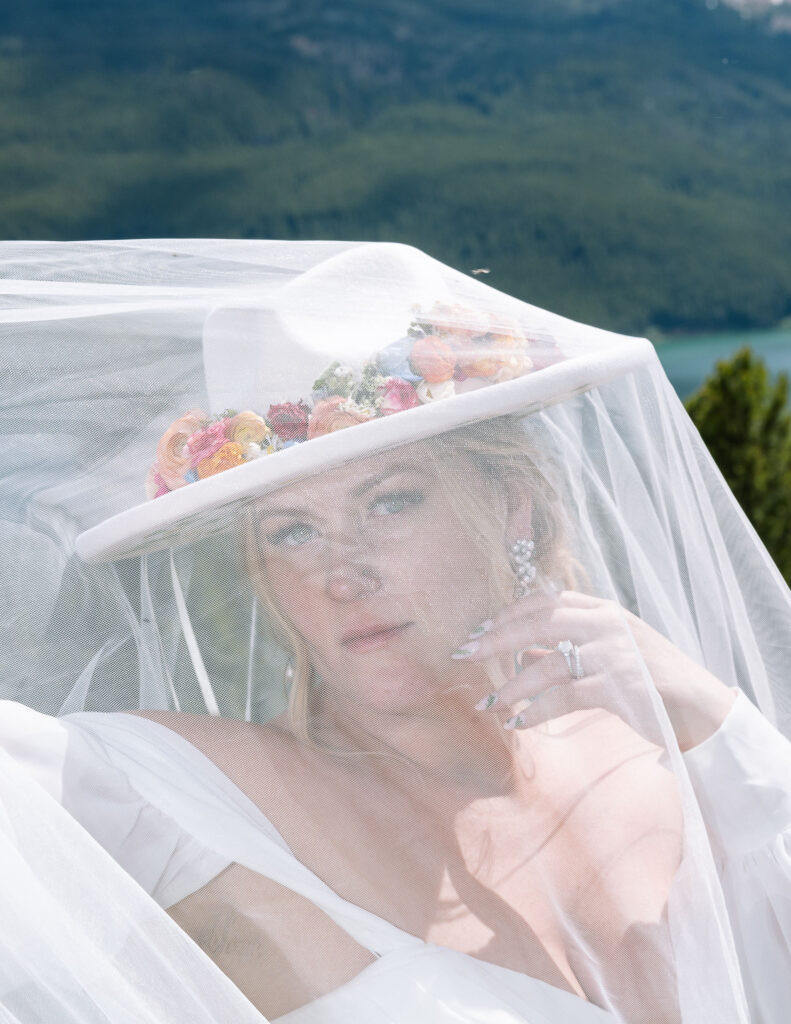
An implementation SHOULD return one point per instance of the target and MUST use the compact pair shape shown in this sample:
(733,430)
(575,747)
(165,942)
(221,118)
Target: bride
(517,773)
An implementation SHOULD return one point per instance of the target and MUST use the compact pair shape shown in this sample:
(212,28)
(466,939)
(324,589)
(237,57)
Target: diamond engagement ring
(571,653)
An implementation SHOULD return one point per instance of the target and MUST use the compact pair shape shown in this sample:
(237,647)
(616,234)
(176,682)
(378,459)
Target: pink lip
(378,636)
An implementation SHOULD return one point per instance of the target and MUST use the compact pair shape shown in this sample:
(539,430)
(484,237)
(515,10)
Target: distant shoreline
(689,359)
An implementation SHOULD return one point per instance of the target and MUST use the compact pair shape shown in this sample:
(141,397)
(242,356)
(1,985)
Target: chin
(390,690)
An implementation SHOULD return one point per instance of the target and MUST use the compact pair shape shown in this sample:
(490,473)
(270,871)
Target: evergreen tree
(745,420)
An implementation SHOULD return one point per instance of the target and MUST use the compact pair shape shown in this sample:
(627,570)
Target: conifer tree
(745,420)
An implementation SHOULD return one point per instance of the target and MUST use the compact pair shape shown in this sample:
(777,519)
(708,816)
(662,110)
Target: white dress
(173,821)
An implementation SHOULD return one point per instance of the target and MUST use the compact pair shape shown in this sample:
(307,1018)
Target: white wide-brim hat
(257,353)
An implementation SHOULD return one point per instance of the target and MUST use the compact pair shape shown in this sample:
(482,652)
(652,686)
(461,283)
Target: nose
(350,576)
(352,584)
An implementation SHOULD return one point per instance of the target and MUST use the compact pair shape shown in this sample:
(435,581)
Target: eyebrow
(356,492)
(374,481)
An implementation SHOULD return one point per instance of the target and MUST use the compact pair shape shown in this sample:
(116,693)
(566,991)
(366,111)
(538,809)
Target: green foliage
(617,161)
(745,421)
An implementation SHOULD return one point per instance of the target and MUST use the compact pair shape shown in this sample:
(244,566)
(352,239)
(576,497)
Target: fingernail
(517,722)
(479,630)
(466,650)
(487,702)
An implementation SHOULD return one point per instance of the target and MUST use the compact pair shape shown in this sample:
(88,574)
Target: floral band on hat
(436,359)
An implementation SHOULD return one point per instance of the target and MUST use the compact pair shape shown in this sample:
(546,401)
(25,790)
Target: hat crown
(260,353)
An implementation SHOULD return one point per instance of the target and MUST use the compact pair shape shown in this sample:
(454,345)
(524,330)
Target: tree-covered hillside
(624,162)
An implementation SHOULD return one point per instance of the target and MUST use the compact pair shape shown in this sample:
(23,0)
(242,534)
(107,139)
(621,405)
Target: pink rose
(289,420)
(155,485)
(173,456)
(206,442)
(333,414)
(397,394)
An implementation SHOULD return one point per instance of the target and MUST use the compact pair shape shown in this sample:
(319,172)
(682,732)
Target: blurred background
(622,162)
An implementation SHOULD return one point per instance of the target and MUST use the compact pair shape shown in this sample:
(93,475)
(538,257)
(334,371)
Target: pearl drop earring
(520,555)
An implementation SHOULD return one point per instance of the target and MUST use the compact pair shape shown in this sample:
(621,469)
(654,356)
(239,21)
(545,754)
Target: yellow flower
(516,365)
(247,427)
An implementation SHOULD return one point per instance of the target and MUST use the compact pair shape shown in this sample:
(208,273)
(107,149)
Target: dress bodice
(409,979)
(174,821)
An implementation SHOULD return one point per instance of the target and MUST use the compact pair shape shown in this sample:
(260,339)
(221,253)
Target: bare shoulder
(240,750)
(203,731)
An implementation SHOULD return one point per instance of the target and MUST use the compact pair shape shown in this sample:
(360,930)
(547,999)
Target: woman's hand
(613,648)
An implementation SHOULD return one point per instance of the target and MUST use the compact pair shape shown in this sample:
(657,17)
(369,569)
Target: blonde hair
(499,451)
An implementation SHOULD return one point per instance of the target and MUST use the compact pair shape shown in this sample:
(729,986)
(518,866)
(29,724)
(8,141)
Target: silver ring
(571,653)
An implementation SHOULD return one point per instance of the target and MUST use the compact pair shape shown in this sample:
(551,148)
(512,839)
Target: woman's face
(372,566)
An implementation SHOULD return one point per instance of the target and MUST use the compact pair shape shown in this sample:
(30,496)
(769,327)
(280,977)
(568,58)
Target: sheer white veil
(104,347)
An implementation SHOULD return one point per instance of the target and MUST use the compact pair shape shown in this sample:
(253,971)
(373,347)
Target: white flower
(252,451)
(434,392)
(516,365)
(351,406)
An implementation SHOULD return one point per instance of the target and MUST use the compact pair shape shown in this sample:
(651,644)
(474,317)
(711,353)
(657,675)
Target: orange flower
(173,460)
(231,454)
(440,316)
(247,427)
(333,414)
(433,359)
(498,356)
(504,344)
(505,331)
(457,322)
(479,361)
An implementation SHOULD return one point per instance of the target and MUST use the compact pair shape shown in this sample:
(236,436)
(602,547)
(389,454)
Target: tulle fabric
(233,859)
(81,941)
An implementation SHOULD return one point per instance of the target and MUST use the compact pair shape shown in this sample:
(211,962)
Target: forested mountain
(626,162)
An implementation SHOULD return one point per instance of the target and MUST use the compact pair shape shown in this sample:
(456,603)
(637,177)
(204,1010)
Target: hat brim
(198,509)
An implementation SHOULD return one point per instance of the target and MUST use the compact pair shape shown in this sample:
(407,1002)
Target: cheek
(445,575)
(293,592)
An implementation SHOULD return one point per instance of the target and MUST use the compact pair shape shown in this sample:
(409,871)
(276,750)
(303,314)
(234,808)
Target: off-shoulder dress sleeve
(71,765)
(741,775)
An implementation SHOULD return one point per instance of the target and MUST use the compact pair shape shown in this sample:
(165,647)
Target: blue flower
(393,361)
(192,476)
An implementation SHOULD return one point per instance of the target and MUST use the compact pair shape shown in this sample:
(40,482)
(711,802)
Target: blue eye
(292,536)
(398,501)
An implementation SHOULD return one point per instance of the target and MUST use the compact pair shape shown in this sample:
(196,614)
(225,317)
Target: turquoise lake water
(687,361)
